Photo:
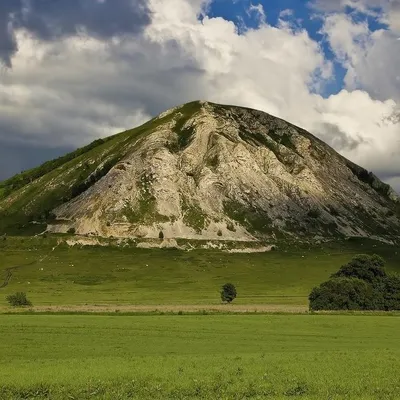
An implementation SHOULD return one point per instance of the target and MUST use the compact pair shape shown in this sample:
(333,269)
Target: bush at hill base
(362,284)
(228,292)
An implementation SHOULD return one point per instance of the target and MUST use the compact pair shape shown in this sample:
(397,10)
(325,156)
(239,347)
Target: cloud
(386,11)
(394,182)
(336,138)
(28,156)
(393,16)
(50,20)
(368,127)
(258,11)
(371,59)
(286,13)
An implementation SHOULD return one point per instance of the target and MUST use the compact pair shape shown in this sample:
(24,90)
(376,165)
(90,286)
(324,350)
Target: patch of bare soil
(217,308)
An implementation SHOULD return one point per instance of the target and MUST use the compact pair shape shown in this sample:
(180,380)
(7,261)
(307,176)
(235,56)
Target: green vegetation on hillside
(368,177)
(146,210)
(193,215)
(254,220)
(199,357)
(185,134)
(20,180)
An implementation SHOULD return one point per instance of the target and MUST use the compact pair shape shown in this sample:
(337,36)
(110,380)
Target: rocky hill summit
(203,171)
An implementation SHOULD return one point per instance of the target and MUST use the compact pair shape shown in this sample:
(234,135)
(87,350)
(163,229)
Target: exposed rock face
(206,171)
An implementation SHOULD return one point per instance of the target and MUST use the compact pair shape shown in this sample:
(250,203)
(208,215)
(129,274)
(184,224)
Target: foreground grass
(95,275)
(205,357)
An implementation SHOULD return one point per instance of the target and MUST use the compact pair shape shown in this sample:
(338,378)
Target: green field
(112,275)
(203,356)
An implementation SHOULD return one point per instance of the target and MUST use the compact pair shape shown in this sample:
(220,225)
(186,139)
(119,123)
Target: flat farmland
(199,357)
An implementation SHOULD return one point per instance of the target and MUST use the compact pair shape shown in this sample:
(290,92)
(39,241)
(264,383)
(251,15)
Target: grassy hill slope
(112,275)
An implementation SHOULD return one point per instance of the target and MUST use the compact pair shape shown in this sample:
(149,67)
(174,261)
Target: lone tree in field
(18,299)
(362,284)
(228,292)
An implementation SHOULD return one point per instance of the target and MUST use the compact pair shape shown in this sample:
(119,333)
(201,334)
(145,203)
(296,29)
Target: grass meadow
(120,276)
(199,356)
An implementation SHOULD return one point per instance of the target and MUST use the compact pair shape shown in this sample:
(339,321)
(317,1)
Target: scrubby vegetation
(18,299)
(253,219)
(361,284)
(193,215)
(369,178)
(185,133)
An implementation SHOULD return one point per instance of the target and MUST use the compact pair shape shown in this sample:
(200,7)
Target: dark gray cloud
(338,139)
(16,158)
(54,19)
(8,44)
(385,169)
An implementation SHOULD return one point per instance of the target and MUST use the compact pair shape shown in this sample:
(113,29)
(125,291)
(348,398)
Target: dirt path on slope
(9,271)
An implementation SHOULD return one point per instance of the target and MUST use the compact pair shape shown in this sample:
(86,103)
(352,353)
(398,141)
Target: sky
(72,71)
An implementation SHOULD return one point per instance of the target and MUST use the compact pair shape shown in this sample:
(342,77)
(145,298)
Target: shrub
(219,233)
(228,292)
(231,227)
(71,231)
(18,299)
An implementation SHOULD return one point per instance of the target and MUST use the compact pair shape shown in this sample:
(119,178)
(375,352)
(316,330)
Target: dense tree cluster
(362,284)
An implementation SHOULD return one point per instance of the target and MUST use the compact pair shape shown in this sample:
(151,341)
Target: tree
(391,292)
(365,267)
(228,292)
(361,284)
(18,299)
(341,294)
(161,235)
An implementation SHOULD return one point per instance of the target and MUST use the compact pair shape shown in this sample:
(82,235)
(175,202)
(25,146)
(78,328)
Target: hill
(203,171)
